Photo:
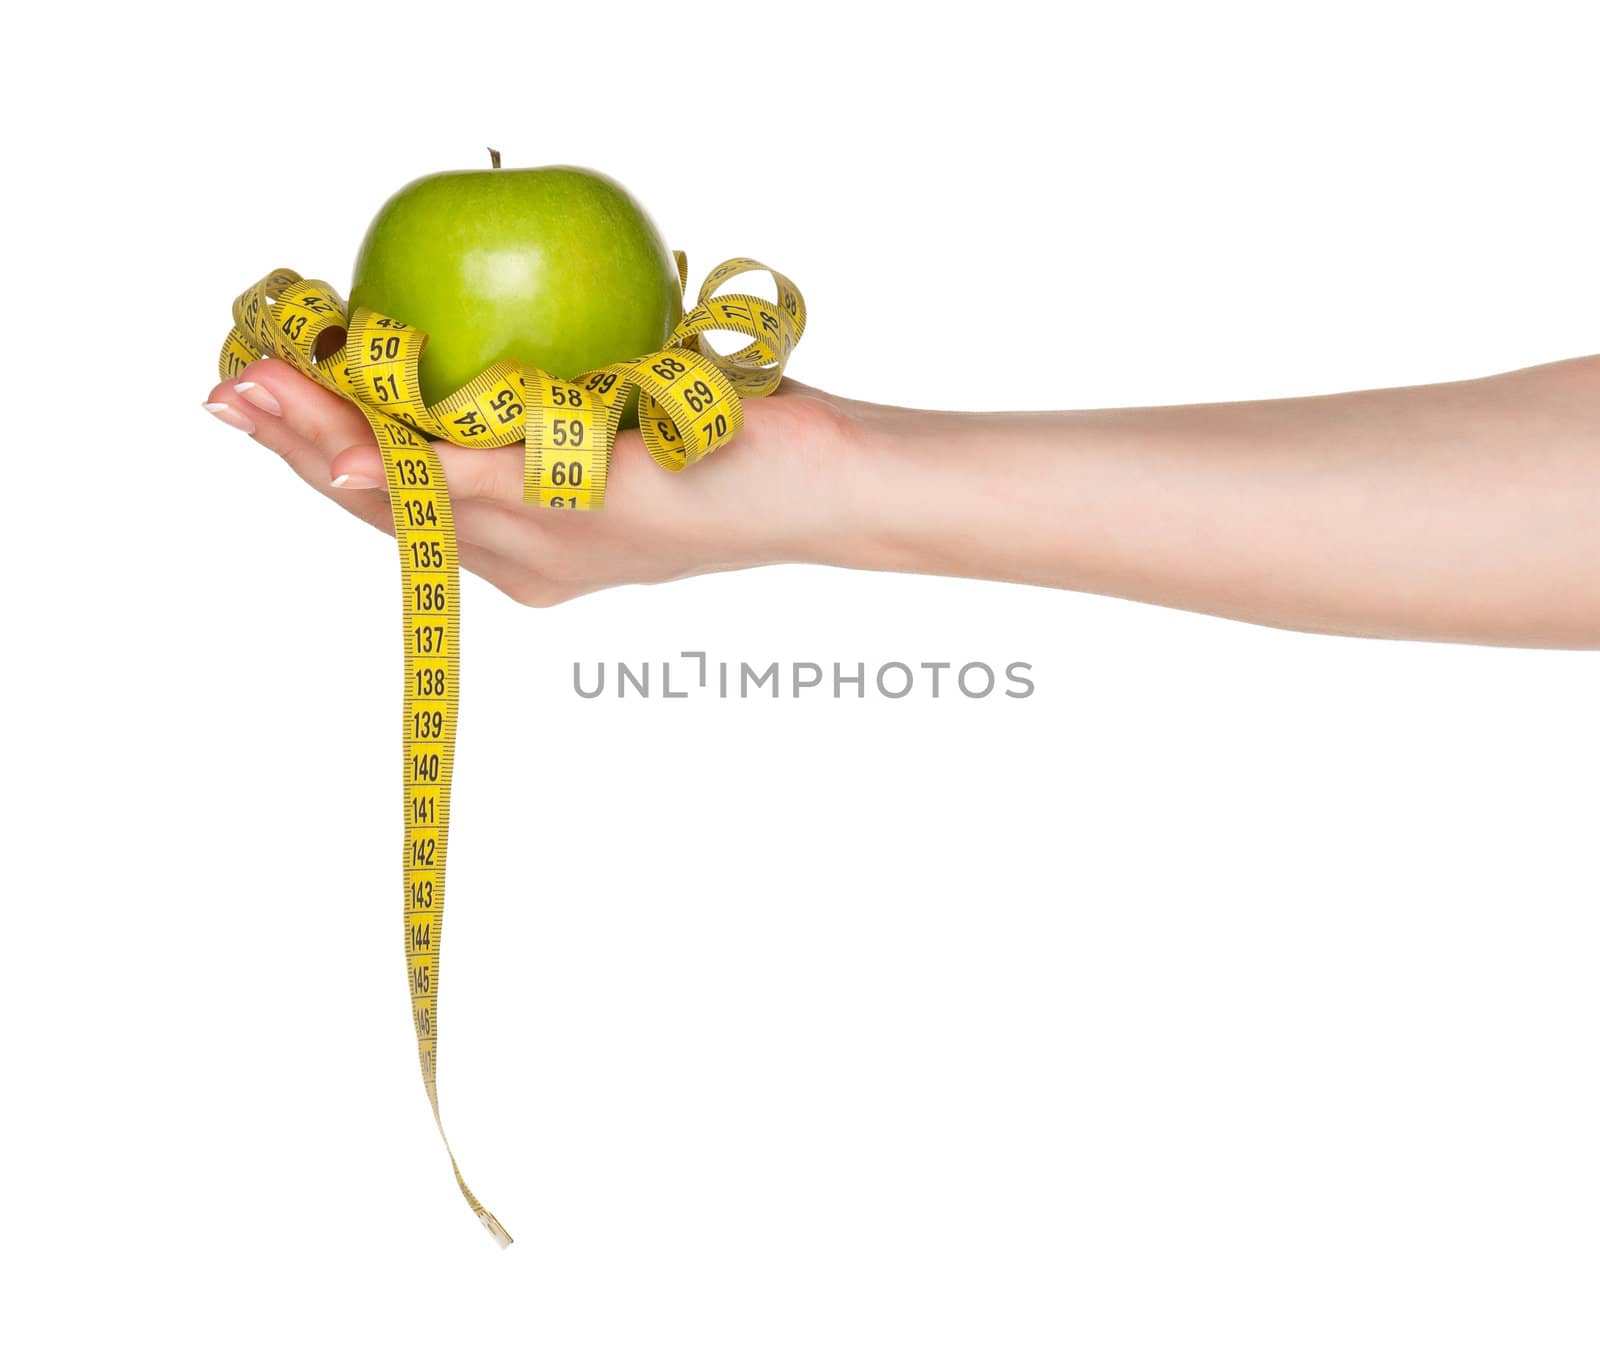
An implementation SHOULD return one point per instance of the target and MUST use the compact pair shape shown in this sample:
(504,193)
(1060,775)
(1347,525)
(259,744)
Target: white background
(1237,989)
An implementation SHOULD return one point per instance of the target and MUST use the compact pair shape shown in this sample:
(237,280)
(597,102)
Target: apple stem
(494,157)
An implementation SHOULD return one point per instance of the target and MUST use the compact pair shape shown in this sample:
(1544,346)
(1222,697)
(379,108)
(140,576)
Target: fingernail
(355,480)
(260,395)
(226,412)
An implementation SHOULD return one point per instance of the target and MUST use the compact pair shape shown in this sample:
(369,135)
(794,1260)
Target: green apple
(558,267)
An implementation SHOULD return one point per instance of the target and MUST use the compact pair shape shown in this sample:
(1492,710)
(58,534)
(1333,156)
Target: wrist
(902,493)
(950,494)
(858,509)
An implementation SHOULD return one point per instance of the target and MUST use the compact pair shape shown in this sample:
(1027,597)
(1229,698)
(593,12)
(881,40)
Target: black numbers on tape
(281,316)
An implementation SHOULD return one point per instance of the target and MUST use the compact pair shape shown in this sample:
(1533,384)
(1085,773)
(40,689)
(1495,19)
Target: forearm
(1467,511)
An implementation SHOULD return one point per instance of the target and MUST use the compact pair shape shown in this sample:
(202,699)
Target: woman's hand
(1463,512)
(773,495)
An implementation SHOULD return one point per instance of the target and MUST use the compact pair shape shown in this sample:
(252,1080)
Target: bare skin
(1459,512)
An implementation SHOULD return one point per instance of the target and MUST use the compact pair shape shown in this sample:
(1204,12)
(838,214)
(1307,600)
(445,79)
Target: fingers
(296,402)
(245,411)
(342,439)
(324,437)
(310,427)
(291,414)
(488,475)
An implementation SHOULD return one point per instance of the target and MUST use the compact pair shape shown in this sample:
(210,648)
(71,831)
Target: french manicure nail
(226,412)
(260,395)
(355,480)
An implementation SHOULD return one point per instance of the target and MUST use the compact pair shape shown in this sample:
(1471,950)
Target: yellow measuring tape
(689,404)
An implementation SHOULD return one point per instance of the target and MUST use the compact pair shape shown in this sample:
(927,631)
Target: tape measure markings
(690,403)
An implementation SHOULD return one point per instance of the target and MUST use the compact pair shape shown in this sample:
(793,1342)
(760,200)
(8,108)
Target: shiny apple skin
(559,267)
